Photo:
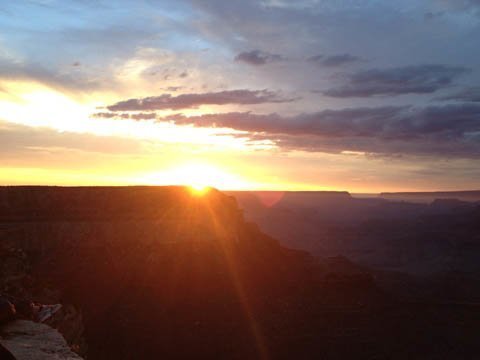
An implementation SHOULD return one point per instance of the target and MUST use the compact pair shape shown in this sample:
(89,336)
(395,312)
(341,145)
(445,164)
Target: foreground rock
(27,340)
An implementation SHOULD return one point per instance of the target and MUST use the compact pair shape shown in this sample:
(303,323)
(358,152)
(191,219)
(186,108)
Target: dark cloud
(334,60)
(429,147)
(185,101)
(451,131)
(105,115)
(431,15)
(257,57)
(471,94)
(110,115)
(143,116)
(419,79)
(120,115)
(356,122)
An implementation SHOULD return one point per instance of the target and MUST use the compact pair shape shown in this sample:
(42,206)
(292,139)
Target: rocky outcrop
(27,340)
(19,278)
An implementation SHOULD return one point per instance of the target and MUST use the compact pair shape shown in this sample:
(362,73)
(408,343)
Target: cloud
(121,115)
(143,116)
(173,88)
(459,5)
(418,79)
(25,141)
(471,94)
(111,115)
(18,70)
(186,101)
(451,130)
(334,60)
(344,122)
(87,61)
(426,147)
(257,57)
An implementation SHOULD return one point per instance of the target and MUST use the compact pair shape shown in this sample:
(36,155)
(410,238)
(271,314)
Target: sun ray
(228,249)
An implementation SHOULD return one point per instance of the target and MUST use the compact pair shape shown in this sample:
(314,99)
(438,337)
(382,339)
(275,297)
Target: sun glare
(198,189)
(199,177)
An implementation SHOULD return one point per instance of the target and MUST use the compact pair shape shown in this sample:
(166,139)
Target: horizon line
(247,190)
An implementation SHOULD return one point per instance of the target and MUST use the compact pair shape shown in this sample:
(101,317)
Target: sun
(199,189)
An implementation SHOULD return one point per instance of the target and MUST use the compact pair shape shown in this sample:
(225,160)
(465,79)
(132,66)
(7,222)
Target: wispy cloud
(471,94)
(186,101)
(25,141)
(334,60)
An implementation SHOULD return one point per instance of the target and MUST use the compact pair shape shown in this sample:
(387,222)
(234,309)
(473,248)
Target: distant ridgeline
(431,196)
(262,199)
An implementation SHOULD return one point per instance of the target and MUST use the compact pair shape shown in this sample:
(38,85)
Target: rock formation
(27,340)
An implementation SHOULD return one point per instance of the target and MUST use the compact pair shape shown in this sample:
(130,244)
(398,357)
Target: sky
(364,96)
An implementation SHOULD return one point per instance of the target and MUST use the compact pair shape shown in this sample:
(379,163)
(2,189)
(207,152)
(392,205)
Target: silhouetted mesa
(473,195)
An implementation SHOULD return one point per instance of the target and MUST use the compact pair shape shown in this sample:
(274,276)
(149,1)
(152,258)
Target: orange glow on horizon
(197,176)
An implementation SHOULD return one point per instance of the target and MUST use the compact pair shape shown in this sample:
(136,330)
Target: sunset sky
(365,96)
